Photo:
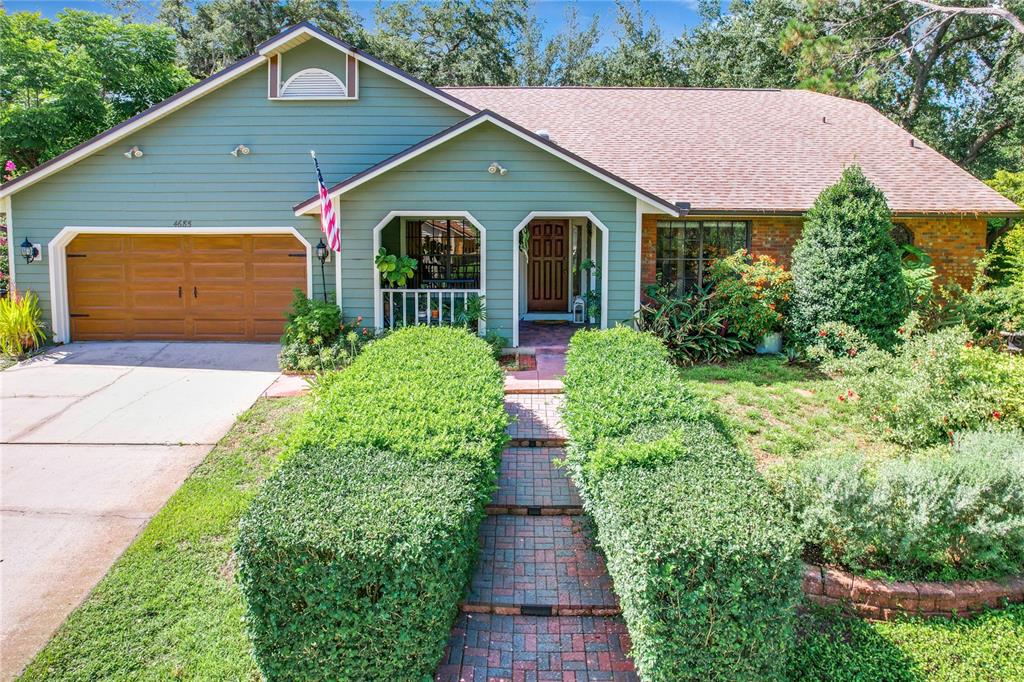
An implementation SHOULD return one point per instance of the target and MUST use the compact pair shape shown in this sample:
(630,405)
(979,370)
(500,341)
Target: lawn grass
(169,607)
(837,649)
(783,411)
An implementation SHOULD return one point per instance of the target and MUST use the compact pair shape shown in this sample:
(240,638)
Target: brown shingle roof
(742,150)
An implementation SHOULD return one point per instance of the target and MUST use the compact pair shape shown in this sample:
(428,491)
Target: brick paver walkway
(537,419)
(540,606)
(489,648)
(528,480)
(548,562)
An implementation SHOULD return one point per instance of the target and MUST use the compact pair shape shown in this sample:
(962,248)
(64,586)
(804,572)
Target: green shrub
(704,564)
(617,380)
(429,392)
(694,328)
(937,515)
(846,266)
(754,294)
(354,557)
(933,385)
(21,324)
(316,339)
(353,561)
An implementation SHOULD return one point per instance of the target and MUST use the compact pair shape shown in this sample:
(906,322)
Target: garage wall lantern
(497,168)
(240,150)
(29,251)
(133,153)
(322,254)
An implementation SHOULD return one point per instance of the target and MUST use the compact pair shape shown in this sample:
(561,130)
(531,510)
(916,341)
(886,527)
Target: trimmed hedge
(353,557)
(706,568)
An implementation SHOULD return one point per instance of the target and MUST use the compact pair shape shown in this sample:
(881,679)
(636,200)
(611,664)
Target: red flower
(822,333)
(852,352)
(969,344)
(997,415)
(842,398)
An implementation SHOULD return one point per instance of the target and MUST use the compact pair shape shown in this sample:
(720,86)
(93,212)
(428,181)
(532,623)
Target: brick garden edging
(884,600)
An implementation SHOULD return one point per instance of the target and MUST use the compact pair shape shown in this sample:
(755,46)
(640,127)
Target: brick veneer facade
(954,243)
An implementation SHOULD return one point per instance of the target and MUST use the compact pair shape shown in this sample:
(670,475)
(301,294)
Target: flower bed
(705,567)
(886,600)
(354,556)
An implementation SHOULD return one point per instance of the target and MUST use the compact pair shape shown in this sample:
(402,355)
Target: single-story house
(197,218)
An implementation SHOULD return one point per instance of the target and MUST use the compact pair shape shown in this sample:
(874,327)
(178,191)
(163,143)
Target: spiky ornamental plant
(846,266)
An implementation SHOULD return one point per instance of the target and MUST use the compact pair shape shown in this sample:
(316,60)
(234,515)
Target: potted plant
(395,270)
(473,313)
(754,295)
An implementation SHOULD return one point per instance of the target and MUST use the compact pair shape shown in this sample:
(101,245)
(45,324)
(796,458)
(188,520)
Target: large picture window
(685,248)
(447,252)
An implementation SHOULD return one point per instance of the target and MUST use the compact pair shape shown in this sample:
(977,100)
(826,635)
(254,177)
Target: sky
(671,15)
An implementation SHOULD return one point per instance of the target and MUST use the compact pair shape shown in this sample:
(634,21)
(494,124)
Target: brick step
(532,390)
(538,442)
(539,565)
(486,647)
(522,510)
(529,483)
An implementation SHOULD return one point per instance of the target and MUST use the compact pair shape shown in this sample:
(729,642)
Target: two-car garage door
(210,287)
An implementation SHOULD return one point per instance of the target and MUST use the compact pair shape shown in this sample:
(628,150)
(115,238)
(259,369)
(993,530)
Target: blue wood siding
(454,177)
(187,172)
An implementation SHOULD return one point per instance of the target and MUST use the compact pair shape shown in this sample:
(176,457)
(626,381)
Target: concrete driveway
(95,437)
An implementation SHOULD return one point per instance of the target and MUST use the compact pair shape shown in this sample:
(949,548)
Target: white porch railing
(404,307)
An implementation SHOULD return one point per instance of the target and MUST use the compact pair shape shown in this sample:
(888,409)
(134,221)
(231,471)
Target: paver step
(485,647)
(529,483)
(539,565)
(538,442)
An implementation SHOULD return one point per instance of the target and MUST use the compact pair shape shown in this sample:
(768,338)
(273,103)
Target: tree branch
(983,139)
(988,10)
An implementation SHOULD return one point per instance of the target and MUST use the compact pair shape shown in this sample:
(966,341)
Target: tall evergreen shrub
(846,266)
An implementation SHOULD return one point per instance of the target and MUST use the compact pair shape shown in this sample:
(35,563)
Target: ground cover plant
(702,559)
(169,608)
(354,556)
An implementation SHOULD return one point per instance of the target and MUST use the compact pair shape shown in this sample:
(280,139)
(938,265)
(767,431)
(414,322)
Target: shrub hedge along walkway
(540,605)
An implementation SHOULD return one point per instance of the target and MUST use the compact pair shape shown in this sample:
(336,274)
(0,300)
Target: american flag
(328,219)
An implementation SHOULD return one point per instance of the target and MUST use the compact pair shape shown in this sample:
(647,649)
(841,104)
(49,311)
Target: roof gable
(658,204)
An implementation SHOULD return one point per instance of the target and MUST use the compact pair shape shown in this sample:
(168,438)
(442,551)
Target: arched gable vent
(313,84)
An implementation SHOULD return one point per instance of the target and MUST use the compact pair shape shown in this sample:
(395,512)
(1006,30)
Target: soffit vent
(313,84)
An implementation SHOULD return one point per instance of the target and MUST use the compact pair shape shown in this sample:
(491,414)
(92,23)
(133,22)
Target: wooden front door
(223,287)
(548,266)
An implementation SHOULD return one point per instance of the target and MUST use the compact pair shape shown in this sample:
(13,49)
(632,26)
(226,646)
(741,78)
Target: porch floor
(546,336)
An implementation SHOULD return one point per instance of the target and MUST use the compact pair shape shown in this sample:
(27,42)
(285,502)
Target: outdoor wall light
(29,251)
(322,254)
(133,153)
(497,168)
(240,149)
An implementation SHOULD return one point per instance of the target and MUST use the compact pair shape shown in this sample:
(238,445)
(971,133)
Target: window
(447,253)
(685,248)
(902,235)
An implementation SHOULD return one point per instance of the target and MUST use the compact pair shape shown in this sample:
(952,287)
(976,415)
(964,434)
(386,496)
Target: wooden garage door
(225,287)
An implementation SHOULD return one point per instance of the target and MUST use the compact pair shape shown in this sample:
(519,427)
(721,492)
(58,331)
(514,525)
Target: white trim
(11,245)
(383,68)
(283,90)
(378,301)
(515,262)
(639,247)
(106,139)
(58,262)
(459,129)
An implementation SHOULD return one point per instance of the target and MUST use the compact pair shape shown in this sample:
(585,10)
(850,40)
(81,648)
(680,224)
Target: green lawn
(782,411)
(169,608)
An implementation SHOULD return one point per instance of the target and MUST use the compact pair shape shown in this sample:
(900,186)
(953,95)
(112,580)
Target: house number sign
(183,223)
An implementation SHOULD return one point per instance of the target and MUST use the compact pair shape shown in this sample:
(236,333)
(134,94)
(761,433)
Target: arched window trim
(342,88)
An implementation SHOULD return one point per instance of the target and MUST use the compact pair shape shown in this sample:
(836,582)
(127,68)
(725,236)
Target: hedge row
(353,557)
(706,569)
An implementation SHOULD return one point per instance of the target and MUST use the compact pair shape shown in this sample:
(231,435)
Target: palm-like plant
(21,324)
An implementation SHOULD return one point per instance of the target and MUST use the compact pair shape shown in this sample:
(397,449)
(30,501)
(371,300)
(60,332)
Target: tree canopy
(64,81)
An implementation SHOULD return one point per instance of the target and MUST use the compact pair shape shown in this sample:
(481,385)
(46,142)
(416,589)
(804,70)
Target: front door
(548,266)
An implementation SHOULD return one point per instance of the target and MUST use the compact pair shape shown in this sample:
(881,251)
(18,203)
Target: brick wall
(954,243)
